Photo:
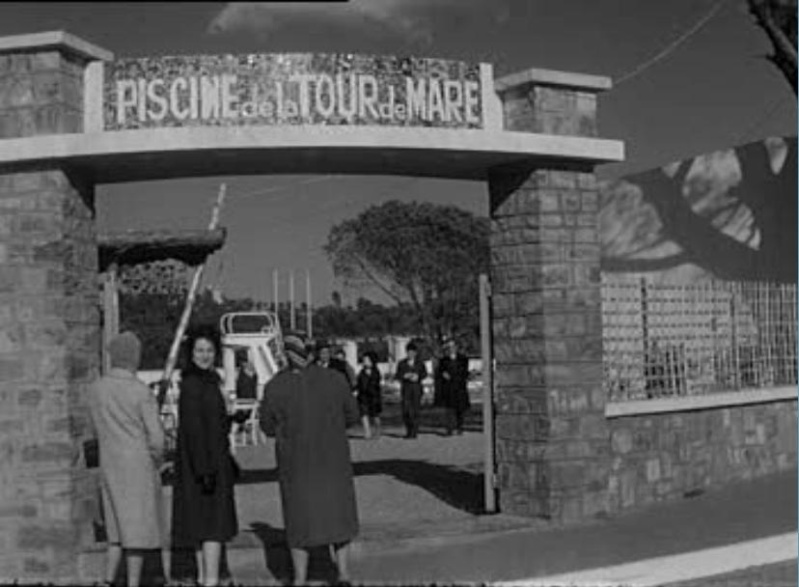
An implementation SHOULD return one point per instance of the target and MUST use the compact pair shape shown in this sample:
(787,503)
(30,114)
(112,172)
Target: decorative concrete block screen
(666,340)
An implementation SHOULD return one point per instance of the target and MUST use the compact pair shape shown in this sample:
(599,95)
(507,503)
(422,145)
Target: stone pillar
(552,442)
(49,319)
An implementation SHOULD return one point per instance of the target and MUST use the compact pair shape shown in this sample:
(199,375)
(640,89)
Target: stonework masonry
(669,456)
(49,328)
(553,447)
(551,432)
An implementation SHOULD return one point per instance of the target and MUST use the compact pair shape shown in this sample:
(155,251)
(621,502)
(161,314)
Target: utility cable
(665,52)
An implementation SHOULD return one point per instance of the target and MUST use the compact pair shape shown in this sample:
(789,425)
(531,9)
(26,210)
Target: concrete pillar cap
(551,77)
(59,40)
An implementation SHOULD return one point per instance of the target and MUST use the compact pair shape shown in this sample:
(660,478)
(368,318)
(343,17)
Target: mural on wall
(728,215)
(295,88)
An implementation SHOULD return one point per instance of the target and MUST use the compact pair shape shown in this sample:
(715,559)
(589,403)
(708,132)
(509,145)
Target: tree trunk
(778,19)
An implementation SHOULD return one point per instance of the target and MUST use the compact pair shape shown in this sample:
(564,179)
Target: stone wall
(551,433)
(672,455)
(49,329)
(40,93)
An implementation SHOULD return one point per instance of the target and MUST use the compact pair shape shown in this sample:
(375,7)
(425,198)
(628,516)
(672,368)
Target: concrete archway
(71,117)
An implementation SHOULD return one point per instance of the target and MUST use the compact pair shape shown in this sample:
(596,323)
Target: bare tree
(778,19)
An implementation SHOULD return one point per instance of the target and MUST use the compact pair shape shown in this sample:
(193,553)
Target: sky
(713,90)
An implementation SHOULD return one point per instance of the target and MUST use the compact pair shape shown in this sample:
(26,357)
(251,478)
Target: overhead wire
(671,47)
(318,212)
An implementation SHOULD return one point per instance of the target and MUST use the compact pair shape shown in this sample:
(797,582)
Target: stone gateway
(71,117)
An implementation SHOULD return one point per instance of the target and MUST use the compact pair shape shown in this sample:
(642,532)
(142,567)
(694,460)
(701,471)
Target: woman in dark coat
(308,408)
(203,506)
(370,400)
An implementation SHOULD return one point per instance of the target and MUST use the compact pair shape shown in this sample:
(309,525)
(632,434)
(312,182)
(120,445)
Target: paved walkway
(454,553)
(776,575)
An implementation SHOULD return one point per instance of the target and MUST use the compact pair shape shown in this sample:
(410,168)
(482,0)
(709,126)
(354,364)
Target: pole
(292,309)
(489,488)
(275,290)
(110,311)
(184,319)
(308,305)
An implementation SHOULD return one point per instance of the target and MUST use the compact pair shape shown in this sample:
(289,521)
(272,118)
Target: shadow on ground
(278,559)
(457,487)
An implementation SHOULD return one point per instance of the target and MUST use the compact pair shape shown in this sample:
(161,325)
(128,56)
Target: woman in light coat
(131,447)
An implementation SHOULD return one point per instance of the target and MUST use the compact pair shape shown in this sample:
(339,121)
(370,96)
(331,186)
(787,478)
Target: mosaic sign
(271,89)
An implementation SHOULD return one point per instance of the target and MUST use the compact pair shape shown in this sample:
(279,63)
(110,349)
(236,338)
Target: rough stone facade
(41,93)
(669,456)
(49,329)
(554,110)
(551,432)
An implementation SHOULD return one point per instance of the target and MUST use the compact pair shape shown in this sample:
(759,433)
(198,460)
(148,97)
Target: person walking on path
(453,376)
(369,393)
(203,505)
(308,409)
(327,360)
(411,372)
(247,378)
(131,447)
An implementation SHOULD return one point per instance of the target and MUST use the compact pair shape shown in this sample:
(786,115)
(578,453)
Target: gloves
(208,484)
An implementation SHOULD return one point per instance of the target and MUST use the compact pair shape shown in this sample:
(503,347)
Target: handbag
(91,453)
(235,467)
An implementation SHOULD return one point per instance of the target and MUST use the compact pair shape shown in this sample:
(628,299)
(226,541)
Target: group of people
(307,407)
(450,387)
(131,442)
(451,376)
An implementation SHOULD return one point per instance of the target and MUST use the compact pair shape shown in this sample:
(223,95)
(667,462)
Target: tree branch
(374,279)
(784,57)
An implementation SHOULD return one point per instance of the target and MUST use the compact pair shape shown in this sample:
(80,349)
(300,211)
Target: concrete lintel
(282,148)
(699,402)
(54,40)
(551,77)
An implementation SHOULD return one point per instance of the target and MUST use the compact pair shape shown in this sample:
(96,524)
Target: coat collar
(120,373)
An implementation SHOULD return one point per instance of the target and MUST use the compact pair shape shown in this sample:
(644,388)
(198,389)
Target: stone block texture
(49,330)
(551,432)
(552,441)
(669,456)
(41,93)
(550,110)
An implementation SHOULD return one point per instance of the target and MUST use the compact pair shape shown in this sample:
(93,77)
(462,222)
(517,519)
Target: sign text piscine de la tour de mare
(264,89)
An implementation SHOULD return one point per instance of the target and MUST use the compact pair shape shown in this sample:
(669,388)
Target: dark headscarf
(296,349)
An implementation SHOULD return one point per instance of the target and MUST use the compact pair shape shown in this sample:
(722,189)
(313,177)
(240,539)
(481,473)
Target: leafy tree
(778,19)
(419,253)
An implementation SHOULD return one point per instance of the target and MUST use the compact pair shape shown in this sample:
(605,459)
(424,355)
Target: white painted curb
(675,568)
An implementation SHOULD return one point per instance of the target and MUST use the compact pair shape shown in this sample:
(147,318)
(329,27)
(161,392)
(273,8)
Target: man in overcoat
(308,409)
(453,376)
(411,372)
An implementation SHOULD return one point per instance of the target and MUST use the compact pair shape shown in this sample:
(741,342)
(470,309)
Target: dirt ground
(431,484)
(397,481)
